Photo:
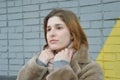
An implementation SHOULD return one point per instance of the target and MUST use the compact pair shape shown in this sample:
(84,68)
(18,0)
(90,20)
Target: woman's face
(58,35)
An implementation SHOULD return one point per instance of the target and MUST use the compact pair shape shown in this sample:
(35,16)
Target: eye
(59,27)
(48,29)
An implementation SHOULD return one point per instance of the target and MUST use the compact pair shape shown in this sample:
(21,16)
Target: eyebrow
(55,25)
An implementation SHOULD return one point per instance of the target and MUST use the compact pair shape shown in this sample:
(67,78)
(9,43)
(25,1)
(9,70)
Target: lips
(53,41)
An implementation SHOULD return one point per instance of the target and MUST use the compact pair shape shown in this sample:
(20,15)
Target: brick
(15,67)
(114,39)
(44,1)
(3,67)
(15,9)
(35,1)
(3,73)
(31,21)
(3,36)
(14,16)
(111,49)
(4,30)
(10,3)
(31,35)
(3,55)
(3,48)
(27,29)
(111,15)
(105,1)
(52,0)
(31,8)
(42,28)
(16,49)
(18,2)
(91,16)
(89,2)
(31,48)
(106,32)
(2,4)
(13,73)
(111,6)
(91,9)
(3,23)
(93,55)
(93,32)
(42,22)
(3,61)
(95,41)
(42,42)
(35,28)
(32,42)
(108,24)
(109,57)
(26,2)
(94,48)
(74,10)
(20,55)
(31,14)
(96,24)
(3,42)
(85,24)
(2,10)
(12,55)
(3,17)
(42,35)
(44,13)
(68,4)
(11,29)
(19,29)
(48,5)
(15,23)
(15,42)
(15,36)
(16,62)
(28,55)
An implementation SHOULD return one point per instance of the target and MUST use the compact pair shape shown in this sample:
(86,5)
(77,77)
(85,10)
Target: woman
(65,55)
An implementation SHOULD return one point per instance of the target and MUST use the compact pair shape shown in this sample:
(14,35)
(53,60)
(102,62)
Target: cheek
(66,39)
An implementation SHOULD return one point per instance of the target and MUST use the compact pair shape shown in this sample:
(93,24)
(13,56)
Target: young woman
(65,55)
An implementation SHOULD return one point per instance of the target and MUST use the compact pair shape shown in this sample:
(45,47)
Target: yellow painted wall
(109,56)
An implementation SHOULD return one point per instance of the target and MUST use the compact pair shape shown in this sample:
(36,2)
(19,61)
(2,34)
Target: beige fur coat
(81,68)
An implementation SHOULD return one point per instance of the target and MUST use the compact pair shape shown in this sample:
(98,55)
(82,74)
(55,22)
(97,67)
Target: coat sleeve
(63,73)
(32,71)
(92,71)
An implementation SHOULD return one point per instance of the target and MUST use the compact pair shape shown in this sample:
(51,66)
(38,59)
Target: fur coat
(80,68)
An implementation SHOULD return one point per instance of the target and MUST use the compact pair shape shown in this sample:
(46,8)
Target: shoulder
(93,67)
(93,71)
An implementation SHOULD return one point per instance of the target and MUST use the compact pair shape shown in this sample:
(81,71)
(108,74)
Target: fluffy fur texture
(81,68)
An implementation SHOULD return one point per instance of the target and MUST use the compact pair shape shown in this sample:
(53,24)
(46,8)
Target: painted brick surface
(21,30)
(110,53)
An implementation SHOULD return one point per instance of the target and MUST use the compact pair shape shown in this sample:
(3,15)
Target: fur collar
(80,57)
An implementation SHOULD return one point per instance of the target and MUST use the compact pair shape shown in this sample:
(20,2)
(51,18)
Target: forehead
(54,20)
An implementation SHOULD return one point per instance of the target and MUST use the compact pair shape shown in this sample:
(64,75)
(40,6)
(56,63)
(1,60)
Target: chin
(56,48)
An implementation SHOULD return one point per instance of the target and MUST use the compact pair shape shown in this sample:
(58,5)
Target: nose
(52,33)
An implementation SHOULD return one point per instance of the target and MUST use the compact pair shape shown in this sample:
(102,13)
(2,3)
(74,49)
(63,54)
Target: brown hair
(71,21)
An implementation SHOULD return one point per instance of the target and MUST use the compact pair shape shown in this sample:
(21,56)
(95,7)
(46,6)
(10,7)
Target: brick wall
(21,27)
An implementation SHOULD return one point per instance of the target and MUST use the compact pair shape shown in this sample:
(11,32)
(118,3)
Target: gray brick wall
(21,27)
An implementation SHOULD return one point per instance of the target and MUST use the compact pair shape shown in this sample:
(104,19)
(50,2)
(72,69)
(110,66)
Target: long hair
(72,23)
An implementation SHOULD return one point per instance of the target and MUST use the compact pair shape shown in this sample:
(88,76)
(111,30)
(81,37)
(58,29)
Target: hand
(45,56)
(65,54)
